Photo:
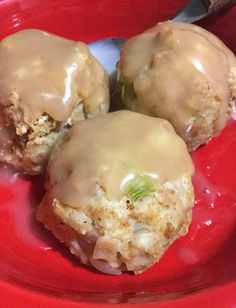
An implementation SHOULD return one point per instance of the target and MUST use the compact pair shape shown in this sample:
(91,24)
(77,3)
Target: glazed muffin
(47,83)
(119,191)
(182,73)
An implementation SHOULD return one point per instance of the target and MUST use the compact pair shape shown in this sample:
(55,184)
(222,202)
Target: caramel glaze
(110,150)
(51,75)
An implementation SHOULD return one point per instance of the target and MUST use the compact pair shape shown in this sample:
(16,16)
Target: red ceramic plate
(199,269)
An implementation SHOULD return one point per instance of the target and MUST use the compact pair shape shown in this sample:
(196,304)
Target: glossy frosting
(51,75)
(176,69)
(109,151)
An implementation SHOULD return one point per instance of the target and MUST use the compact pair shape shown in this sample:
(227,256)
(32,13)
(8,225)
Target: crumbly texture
(122,236)
(205,116)
(31,144)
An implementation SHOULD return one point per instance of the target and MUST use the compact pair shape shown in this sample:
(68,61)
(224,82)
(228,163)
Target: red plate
(199,269)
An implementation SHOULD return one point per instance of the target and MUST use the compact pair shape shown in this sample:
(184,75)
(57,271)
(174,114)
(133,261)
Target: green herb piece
(141,186)
(127,91)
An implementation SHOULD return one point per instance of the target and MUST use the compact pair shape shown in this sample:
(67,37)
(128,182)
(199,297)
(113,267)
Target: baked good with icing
(182,73)
(122,195)
(47,83)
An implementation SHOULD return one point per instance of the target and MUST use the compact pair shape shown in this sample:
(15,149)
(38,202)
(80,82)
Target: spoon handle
(107,51)
(197,9)
(215,5)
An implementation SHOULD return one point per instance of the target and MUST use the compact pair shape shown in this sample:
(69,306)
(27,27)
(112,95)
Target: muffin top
(175,70)
(51,75)
(122,153)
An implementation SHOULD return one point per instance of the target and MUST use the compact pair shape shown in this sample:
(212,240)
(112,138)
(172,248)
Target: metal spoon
(107,50)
